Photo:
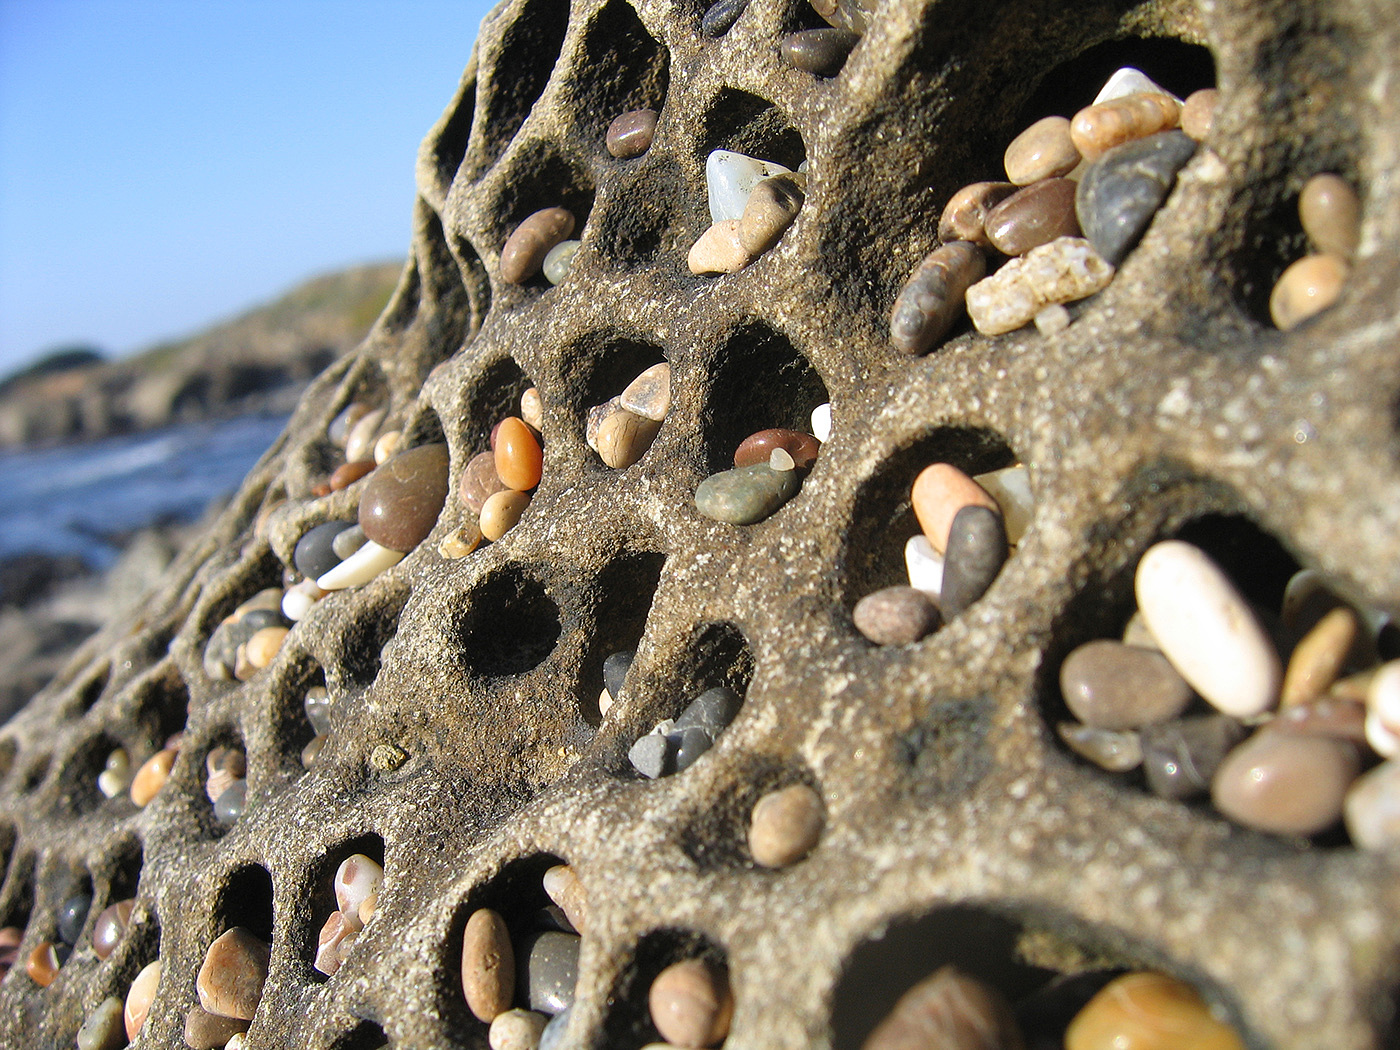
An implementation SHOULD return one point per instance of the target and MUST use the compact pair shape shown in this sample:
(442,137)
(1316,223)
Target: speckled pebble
(548,970)
(934,296)
(401,503)
(821,52)
(896,616)
(630,133)
(488,965)
(1115,750)
(691,1003)
(948,1009)
(1198,113)
(965,215)
(565,889)
(745,495)
(785,825)
(720,17)
(1331,215)
(1149,1011)
(1109,685)
(1306,288)
(771,208)
(1284,783)
(460,542)
(523,253)
(516,1030)
(1062,271)
(230,981)
(1033,216)
(1121,191)
(649,395)
(1098,128)
(977,549)
(105,1027)
(139,998)
(1180,757)
(152,775)
(1042,151)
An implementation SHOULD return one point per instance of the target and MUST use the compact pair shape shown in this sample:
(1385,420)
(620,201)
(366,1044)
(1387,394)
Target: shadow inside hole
(762,381)
(362,648)
(80,791)
(1271,241)
(75,883)
(123,874)
(90,691)
(364,1036)
(753,126)
(9,749)
(626,587)
(628,1024)
(246,900)
(609,363)
(510,626)
(323,900)
(261,573)
(424,428)
(1176,65)
(1256,562)
(162,707)
(718,654)
(17,893)
(493,396)
(290,722)
(801,16)
(626,69)
(715,835)
(528,52)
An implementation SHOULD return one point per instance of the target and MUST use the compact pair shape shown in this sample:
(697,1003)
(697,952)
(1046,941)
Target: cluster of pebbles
(622,429)
(357,884)
(768,470)
(752,203)
(497,482)
(1330,213)
(115,1020)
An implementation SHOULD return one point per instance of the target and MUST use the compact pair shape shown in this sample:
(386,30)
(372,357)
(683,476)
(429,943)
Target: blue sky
(168,163)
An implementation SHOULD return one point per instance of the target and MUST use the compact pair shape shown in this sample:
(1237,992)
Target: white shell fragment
(730,177)
(821,422)
(361,567)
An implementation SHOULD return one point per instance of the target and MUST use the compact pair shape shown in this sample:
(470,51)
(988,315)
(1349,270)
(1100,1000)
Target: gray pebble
(232,802)
(821,52)
(72,916)
(349,541)
(1180,757)
(720,17)
(552,1038)
(1109,685)
(933,297)
(977,549)
(549,971)
(318,708)
(653,755)
(745,495)
(255,621)
(694,742)
(1122,190)
(615,669)
(712,710)
(1114,750)
(896,616)
(314,555)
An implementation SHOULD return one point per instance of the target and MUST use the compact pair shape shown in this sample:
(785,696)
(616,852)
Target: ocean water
(83,499)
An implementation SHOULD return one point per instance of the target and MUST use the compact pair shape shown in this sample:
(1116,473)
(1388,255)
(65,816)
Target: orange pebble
(519,460)
(940,491)
(42,964)
(1097,129)
(347,474)
(140,997)
(151,777)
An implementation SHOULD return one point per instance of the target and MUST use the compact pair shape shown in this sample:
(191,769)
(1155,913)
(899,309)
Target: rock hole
(17,894)
(246,900)
(35,771)
(543,178)
(510,625)
(89,692)
(476,284)
(162,706)
(243,604)
(753,126)
(800,15)
(456,302)
(367,1035)
(512,81)
(446,144)
(403,305)
(78,775)
(609,362)
(9,748)
(423,428)
(1176,65)
(212,785)
(716,835)
(291,725)
(492,396)
(628,1023)
(68,888)
(626,589)
(361,649)
(323,904)
(626,68)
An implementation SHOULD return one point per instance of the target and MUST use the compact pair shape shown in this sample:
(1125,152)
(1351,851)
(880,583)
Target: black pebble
(694,742)
(821,52)
(1121,191)
(72,916)
(313,556)
(615,669)
(720,18)
(711,711)
(977,550)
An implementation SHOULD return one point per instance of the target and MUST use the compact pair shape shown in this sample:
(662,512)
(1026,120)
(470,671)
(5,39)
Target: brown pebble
(821,52)
(785,826)
(934,296)
(1285,783)
(771,208)
(565,889)
(1148,1011)
(1331,215)
(42,964)
(264,645)
(1307,287)
(321,488)
(965,215)
(331,941)
(1109,685)
(939,492)
(152,775)
(206,1031)
(479,481)
(460,542)
(758,448)
(649,395)
(896,616)
(524,251)
(1043,151)
(630,134)
(387,446)
(691,1004)
(623,437)
(719,250)
(139,998)
(1034,215)
(110,927)
(948,1009)
(347,474)
(401,503)
(519,458)
(230,981)
(488,965)
(1097,129)
(501,512)
(1319,657)
(1198,113)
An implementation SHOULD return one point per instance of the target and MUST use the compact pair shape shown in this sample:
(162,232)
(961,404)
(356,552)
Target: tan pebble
(532,409)
(385,758)
(939,492)
(1353,687)
(781,459)
(605,702)
(948,1009)
(516,1030)
(1325,716)
(218,782)
(334,931)
(691,1004)
(1149,1011)
(359,445)
(624,437)
(1052,320)
(313,749)
(565,889)
(523,253)
(243,668)
(1319,658)
(1285,783)
(230,981)
(965,215)
(785,826)
(1043,151)
(368,908)
(1198,113)
(719,250)
(42,964)
(347,474)
(238,1042)
(264,645)
(206,1031)
(387,446)
(460,542)
(500,513)
(139,998)
(488,965)
(152,775)
(269,598)
(649,394)
(1137,633)
(1066,269)
(1097,129)
(771,208)
(1307,287)
(1331,215)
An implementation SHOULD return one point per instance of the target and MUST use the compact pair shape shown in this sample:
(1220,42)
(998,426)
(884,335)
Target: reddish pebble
(1097,129)
(519,459)
(321,488)
(347,474)
(630,134)
(110,927)
(524,251)
(488,965)
(758,448)
(1033,216)
(42,964)
(151,777)
(965,216)
(479,481)
(940,491)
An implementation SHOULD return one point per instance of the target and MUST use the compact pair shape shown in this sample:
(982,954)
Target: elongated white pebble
(1206,629)
(298,600)
(1383,710)
(358,878)
(1011,488)
(821,422)
(361,567)
(925,566)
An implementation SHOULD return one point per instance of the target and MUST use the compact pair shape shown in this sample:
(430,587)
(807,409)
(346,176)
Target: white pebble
(605,702)
(1129,81)
(1011,488)
(361,567)
(925,566)
(357,879)
(1052,320)
(298,600)
(116,777)
(1207,630)
(730,177)
(1383,710)
(780,459)
(1372,808)
(821,422)
(386,446)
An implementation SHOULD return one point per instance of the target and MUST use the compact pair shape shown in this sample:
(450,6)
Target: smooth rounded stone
(110,927)
(854,15)
(152,775)
(948,1009)
(691,745)
(43,963)
(1331,716)
(1032,216)
(653,755)
(341,425)
(1207,630)
(785,825)
(1129,81)
(630,134)
(206,1031)
(314,554)
(965,215)
(719,250)
(1098,128)
(139,998)
(1109,685)
(623,438)
(552,1038)
(220,649)
(359,442)
(230,981)
(479,481)
(460,542)
(345,475)
(313,749)
(1115,750)
(939,492)
(501,512)
(115,777)
(1180,758)
(335,938)
(729,179)
(488,965)
(1331,214)
(1285,783)
(401,503)
(691,1003)
(1121,191)
(712,710)
(1010,488)
(934,297)
(605,703)
(745,495)
(977,549)
(781,459)
(532,409)
(356,879)
(566,890)
(548,970)
(265,644)
(720,17)
(771,209)
(300,599)
(524,251)
(516,1030)
(72,917)
(1305,288)
(1372,808)
(269,599)
(1198,113)
(1149,1011)
(896,616)
(615,668)
(344,543)
(559,260)
(231,803)
(1043,151)
(649,395)
(759,448)
(387,446)
(318,704)
(519,458)
(1383,710)
(238,1042)
(1062,271)
(1318,658)
(924,566)
(821,422)
(1136,632)
(105,1027)
(821,52)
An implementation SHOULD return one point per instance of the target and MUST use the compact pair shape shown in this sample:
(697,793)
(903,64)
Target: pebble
(785,826)
(115,777)
(781,459)
(347,474)
(230,981)
(691,1003)
(501,512)
(1307,287)
(299,600)
(361,567)
(524,251)
(1120,192)
(532,409)
(691,744)
(1198,113)
(386,447)
(565,889)
(1207,630)
(771,209)
(719,250)
(1098,128)
(206,1031)
(552,1038)
(1372,808)
(139,998)
(939,492)
(1129,81)
(605,703)
(630,134)
(44,963)
(821,422)
(105,1027)
(348,541)
(1318,658)
(896,616)
(110,927)
(1285,783)
(268,599)
(232,803)
(924,565)
(10,938)
(401,503)
(313,748)
(356,880)
(460,542)
(1383,710)
(721,16)
(265,644)
(549,970)
(1117,751)
(359,443)
(821,52)
(479,481)
(615,669)
(649,395)
(745,495)
(334,940)
(516,1030)
(72,917)
(1136,632)
(653,754)
(977,549)
(759,448)
(152,775)
(488,965)
(948,1009)
(1032,216)
(519,458)
(1148,1011)
(559,260)
(1331,214)
(339,429)
(711,711)
(965,215)
(1062,271)
(317,704)
(1180,758)
(933,298)
(1043,151)
(623,437)
(729,179)
(1109,685)
(1010,488)
(314,554)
